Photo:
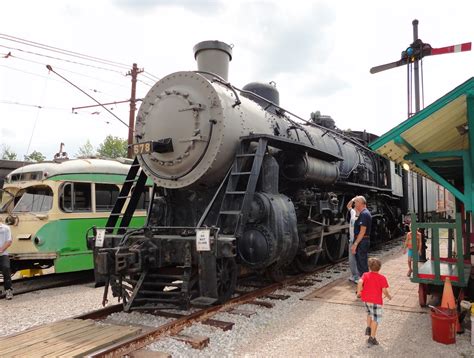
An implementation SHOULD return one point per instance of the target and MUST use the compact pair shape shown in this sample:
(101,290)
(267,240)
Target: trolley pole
(131,122)
(419,178)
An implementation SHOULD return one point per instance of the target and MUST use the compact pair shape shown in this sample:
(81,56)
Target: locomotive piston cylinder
(301,167)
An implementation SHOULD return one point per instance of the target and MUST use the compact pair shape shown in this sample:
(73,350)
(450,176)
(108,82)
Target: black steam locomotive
(240,184)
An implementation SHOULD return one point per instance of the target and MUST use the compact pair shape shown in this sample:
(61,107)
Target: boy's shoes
(353,280)
(8,294)
(372,341)
(367,331)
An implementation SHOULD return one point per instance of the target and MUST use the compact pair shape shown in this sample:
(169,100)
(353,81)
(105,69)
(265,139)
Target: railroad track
(90,335)
(36,283)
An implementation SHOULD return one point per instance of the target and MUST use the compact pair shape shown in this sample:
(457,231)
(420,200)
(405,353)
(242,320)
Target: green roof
(435,141)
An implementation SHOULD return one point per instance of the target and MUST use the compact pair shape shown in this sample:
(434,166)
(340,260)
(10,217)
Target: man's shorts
(375,311)
(410,252)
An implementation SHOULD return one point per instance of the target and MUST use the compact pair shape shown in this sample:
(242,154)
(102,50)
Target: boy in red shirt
(370,288)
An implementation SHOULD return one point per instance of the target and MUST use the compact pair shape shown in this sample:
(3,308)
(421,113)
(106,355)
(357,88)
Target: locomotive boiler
(240,184)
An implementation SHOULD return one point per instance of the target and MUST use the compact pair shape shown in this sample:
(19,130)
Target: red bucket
(443,323)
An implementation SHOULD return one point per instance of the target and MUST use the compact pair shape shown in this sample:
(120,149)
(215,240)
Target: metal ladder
(235,205)
(137,177)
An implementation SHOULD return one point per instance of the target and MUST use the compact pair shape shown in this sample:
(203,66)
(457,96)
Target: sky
(317,52)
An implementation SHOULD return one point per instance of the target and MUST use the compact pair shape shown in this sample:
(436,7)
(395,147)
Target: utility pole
(131,122)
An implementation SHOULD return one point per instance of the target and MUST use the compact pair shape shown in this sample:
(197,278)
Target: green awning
(435,141)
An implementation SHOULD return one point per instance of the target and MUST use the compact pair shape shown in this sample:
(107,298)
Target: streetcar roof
(73,166)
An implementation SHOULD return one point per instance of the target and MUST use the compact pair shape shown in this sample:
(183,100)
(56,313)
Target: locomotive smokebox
(214,57)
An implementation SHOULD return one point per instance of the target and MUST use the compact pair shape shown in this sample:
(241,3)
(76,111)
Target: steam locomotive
(240,184)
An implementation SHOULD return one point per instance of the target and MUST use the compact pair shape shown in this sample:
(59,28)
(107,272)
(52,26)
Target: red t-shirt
(373,282)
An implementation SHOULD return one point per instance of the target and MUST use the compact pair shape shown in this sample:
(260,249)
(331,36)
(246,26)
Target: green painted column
(468,182)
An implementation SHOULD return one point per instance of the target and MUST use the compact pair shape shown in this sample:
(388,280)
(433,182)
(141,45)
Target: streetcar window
(144,200)
(35,199)
(25,176)
(66,198)
(105,196)
(82,197)
(76,197)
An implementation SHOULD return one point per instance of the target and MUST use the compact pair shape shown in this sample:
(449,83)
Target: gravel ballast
(293,327)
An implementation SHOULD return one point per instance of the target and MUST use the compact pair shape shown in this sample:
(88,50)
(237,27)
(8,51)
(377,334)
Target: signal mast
(412,57)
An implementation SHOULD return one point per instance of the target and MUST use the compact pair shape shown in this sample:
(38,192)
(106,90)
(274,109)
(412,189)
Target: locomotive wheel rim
(307,264)
(226,272)
(275,274)
(334,246)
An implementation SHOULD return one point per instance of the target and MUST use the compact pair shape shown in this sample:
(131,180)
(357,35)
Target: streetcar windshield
(35,199)
(7,198)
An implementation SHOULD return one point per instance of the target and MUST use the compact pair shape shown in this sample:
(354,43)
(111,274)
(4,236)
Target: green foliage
(113,147)
(35,156)
(86,151)
(7,153)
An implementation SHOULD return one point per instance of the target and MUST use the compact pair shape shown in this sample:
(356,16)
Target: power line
(60,59)
(32,105)
(146,83)
(53,79)
(72,84)
(64,69)
(152,75)
(71,53)
(63,51)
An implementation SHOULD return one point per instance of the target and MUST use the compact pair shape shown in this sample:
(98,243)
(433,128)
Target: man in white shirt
(5,242)
(351,218)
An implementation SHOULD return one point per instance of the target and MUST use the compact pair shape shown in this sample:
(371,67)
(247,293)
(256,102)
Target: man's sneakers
(9,294)
(367,331)
(372,341)
(353,280)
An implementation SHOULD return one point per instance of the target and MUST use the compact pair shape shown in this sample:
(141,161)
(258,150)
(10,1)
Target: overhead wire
(32,105)
(63,51)
(67,70)
(77,87)
(36,119)
(71,53)
(61,59)
(146,83)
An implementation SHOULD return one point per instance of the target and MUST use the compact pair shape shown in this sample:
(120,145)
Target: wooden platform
(404,292)
(71,337)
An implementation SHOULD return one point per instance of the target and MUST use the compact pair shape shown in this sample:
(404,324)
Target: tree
(86,151)
(7,153)
(113,147)
(35,156)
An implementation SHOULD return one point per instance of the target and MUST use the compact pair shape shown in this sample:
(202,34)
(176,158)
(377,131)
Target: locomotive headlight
(406,166)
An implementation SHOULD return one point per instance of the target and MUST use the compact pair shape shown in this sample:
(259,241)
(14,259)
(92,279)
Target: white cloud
(318,52)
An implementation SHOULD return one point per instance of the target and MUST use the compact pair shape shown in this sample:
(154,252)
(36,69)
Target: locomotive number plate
(142,148)
(203,241)
(99,239)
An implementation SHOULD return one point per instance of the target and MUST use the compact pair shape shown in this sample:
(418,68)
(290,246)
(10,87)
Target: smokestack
(213,56)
